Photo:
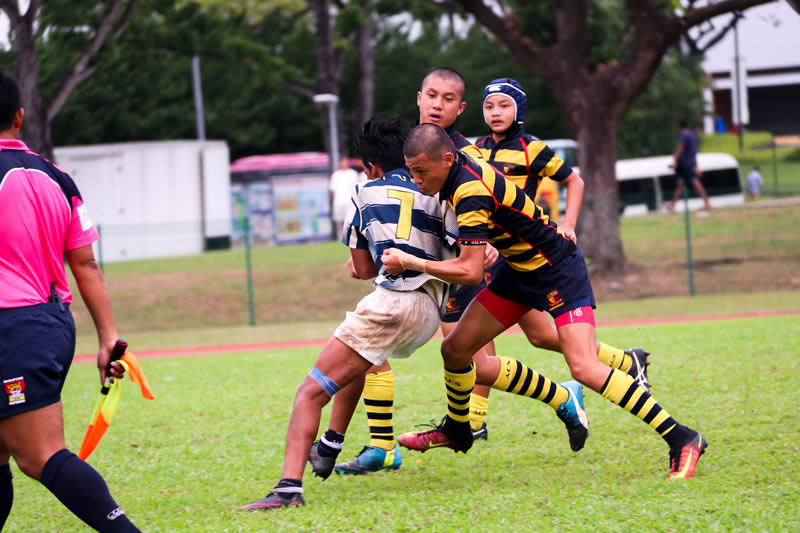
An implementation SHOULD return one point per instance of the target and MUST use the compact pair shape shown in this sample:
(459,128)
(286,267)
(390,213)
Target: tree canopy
(142,89)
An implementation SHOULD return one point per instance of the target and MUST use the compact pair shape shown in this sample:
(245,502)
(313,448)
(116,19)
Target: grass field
(754,250)
(213,440)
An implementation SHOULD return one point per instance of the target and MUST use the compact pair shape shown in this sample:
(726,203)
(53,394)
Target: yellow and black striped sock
(614,357)
(459,385)
(379,400)
(478,407)
(517,378)
(621,389)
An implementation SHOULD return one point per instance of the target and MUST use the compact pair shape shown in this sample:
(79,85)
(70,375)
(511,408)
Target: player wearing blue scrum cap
(526,160)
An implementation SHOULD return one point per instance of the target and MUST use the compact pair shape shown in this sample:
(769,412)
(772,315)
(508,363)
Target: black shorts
(685,173)
(557,289)
(37,344)
(459,296)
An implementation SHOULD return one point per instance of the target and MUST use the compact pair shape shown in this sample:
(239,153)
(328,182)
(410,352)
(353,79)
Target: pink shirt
(41,216)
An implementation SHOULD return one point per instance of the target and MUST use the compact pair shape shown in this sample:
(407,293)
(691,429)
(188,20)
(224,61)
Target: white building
(769,59)
(154,199)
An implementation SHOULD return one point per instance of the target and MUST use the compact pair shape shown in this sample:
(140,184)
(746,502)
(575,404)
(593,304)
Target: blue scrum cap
(513,90)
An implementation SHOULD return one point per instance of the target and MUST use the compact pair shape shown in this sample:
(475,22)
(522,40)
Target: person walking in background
(754,183)
(686,169)
(343,181)
(42,220)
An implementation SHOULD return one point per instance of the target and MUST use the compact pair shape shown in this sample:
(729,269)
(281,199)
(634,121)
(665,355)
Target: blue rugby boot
(574,416)
(371,459)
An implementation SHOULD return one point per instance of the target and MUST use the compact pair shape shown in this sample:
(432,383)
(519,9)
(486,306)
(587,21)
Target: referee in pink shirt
(43,220)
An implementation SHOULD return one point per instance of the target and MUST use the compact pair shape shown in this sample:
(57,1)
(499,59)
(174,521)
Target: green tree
(84,26)
(144,90)
(597,57)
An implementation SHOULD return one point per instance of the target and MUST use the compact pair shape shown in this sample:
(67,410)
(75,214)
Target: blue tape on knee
(324,381)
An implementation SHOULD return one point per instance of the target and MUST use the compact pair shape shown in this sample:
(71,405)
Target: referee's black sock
(6,494)
(83,491)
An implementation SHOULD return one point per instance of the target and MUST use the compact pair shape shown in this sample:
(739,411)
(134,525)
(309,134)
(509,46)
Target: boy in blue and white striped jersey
(401,314)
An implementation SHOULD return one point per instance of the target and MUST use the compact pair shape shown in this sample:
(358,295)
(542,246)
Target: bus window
(722,181)
(637,191)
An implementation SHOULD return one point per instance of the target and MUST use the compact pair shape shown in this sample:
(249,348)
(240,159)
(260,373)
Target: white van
(648,183)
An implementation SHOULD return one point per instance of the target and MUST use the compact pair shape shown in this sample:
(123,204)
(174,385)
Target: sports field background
(752,249)
(213,439)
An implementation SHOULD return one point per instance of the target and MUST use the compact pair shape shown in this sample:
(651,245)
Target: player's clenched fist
(397,261)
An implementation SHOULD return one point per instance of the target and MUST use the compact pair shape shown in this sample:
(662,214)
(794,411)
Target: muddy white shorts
(389,323)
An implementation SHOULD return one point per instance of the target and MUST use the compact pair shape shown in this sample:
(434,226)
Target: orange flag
(110,395)
(133,370)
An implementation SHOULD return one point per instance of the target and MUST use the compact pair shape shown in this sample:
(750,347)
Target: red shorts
(509,313)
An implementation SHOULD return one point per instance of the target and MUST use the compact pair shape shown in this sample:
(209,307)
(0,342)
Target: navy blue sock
(6,494)
(330,444)
(287,488)
(83,491)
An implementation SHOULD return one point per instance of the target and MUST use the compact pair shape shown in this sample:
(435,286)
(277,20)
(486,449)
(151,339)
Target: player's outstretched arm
(466,269)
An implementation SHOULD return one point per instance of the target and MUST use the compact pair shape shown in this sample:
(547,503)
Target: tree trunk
(39,114)
(36,128)
(598,224)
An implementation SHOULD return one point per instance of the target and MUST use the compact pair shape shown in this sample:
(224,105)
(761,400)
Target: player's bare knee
(31,465)
(310,392)
(579,371)
(484,375)
(455,356)
(544,341)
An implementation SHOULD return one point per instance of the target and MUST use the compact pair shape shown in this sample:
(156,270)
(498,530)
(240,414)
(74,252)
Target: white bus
(648,183)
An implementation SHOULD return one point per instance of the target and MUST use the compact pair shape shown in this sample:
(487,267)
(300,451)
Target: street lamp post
(330,101)
(737,81)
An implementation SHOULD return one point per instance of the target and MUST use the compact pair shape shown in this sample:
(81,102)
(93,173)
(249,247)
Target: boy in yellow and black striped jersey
(544,270)
(441,101)
(527,161)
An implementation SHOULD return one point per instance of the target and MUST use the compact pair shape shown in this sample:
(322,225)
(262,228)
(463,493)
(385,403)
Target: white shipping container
(154,199)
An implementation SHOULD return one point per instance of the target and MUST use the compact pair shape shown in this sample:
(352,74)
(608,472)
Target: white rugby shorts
(389,323)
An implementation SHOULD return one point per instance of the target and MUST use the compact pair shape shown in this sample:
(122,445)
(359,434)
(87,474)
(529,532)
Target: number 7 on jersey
(406,206)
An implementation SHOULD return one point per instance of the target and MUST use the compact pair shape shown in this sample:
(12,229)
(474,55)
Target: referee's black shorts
(37,344)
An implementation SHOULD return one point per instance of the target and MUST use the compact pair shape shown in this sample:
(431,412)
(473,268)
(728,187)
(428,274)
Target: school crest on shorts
(452,305)
(554,299)
(15,388)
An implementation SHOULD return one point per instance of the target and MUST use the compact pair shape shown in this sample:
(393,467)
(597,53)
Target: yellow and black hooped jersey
(523,159)
(492,210)
(462,143)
